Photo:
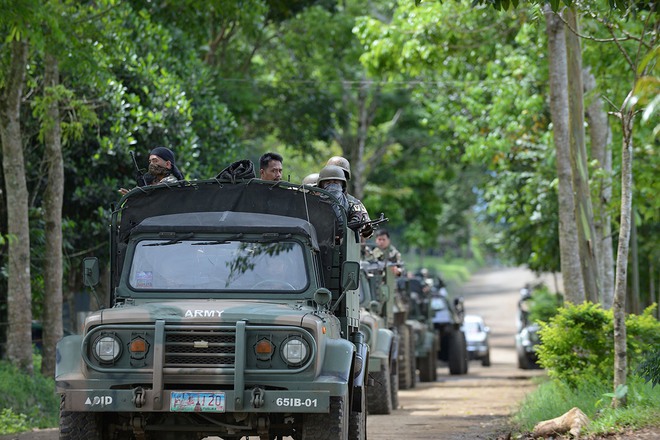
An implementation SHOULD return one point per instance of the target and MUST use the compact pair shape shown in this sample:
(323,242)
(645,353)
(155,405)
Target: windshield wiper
(226,240)
(172,241)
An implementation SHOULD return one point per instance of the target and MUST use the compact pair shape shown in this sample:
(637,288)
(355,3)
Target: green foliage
(552,398)
(649,368)
(29,401)
(543,304)
(10,422)
(577,343)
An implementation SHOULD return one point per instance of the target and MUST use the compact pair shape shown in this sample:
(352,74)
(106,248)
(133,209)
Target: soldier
(385,251)
(311,179)
(356,206)
(270,167)
(332,179)
(162,168)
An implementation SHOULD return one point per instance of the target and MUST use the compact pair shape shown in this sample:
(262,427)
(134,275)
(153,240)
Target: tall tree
(571,267)
(53,200)
(579,165)
(600,135)
(19,345)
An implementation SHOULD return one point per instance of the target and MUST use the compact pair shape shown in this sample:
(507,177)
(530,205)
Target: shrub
(578,342)
(649,369)
(30,399)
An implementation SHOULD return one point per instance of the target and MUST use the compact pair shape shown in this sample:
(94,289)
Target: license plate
(197,401)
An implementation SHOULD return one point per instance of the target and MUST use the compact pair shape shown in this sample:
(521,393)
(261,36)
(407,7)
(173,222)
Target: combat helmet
(311,179)
(332,172)
(342,163)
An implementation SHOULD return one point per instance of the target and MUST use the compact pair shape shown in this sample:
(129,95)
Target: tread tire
(330,426)
(379,395)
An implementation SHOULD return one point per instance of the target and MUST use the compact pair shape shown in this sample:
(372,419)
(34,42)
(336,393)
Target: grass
(26,402)
(552,399)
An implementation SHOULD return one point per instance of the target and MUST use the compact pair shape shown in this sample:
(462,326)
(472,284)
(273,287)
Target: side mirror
(90,271)
(350,275)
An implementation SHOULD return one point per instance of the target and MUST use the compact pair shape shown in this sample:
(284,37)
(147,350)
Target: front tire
(357,425)
(79,425)
(379,394)
(330,426)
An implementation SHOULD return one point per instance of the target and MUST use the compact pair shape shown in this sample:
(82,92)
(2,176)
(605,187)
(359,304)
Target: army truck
(232,312)
(382,392)
(447,319)
(420,319)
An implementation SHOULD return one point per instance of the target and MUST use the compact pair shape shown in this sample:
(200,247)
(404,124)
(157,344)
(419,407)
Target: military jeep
(382,393)
(232,312)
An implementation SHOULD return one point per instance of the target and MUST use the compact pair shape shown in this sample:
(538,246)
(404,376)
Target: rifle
(359,224)
(139,175)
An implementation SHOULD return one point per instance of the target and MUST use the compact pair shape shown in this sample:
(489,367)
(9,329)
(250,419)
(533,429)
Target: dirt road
(474,406)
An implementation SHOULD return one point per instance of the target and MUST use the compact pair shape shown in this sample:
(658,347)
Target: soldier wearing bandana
(162,168)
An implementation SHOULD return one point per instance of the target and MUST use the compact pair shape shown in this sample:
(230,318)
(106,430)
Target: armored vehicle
(382,393)
(232,312)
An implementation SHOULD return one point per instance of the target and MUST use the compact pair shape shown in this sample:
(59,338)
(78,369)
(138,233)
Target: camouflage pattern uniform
(390,254)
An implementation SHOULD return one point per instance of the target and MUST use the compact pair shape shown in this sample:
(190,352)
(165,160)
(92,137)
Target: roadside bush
(577,344)
(27,401)
(543,304)
(649,369)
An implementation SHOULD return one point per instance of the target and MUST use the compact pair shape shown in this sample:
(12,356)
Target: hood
(202,312)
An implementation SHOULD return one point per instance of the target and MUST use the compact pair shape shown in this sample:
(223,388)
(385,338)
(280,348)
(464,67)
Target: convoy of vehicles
(239,307)
(233,311)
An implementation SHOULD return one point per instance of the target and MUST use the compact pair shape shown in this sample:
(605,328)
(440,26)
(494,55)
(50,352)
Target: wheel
(413,359)
(405,373)
(457,353)
(394,387)
(523,359)
(379,400)
(274,284)
(485,361)
(330,426)
(79,425)
(428,365)
(357,424)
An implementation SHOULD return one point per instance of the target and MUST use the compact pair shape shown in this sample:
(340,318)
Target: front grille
(200,348)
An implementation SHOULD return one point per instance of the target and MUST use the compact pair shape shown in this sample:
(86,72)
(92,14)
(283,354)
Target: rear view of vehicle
(477,339)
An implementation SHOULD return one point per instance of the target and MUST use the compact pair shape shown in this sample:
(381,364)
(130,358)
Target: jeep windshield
(218,265)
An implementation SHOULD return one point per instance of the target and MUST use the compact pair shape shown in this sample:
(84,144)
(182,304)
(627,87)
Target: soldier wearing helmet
(311,179)
(331,178)
(358,211)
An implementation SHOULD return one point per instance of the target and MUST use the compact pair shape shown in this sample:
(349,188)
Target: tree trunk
(53,199)
(579,169)
(619,306)
(635,299)
(19,310)
(571,268)
(601,137)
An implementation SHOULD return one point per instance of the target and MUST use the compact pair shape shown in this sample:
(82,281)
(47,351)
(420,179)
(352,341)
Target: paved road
(474,406)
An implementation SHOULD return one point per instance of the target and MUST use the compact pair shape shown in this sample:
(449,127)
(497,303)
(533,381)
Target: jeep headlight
(107,348)
(295,351)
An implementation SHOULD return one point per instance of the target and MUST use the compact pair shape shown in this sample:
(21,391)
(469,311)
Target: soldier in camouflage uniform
(385,251)
(356,207)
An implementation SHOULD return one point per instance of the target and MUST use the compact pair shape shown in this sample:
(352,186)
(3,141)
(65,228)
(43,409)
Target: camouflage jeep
(232,312)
